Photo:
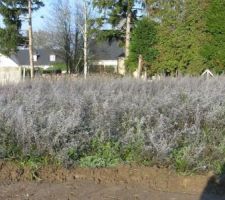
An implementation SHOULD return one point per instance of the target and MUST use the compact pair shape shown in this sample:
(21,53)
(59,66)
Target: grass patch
(110,153)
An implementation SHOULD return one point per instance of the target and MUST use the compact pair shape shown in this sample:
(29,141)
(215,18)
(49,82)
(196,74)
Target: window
(35,58)
(52,58)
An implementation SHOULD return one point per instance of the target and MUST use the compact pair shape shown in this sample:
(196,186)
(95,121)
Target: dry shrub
(178,120)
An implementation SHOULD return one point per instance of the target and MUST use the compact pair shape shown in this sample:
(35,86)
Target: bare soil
(55,183)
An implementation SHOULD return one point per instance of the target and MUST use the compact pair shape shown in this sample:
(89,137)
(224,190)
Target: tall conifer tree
(143,40)
(181,34)
(10,34)
(214,49)
(120,14)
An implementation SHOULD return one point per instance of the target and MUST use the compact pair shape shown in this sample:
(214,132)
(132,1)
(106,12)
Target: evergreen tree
(120,14)
(11,11)
(143,39)
(181,34)
(214,50)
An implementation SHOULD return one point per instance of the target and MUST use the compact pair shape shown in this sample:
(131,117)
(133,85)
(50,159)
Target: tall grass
(178,122)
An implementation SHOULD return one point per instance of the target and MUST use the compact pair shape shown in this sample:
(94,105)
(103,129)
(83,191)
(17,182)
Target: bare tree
(85,27)
(68,31)
(64,32)
(59,26)
(85,37)
(30,39)
(43,39)
(77,40)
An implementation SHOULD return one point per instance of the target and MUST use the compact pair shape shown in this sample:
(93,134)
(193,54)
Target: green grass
(109,154)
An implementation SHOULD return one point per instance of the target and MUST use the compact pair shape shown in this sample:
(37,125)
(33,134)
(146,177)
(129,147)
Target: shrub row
(103,122)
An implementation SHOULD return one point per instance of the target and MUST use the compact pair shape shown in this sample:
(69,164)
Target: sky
(40,16)
(38,21)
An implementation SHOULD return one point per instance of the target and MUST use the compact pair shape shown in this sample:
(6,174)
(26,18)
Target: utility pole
(85,37)
(30,39)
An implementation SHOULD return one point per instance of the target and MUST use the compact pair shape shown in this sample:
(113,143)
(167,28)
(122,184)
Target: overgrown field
(105,122)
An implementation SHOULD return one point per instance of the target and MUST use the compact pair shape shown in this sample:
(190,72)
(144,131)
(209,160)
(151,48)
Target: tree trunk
(139,69)
(85,40)
(128,31)
(24,73)
(31,40)
(75,68)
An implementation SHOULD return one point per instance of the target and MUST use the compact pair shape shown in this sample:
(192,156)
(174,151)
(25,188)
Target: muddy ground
(54,183)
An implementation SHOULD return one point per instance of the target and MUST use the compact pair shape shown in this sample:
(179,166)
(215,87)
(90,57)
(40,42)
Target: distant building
(10,72)
(106,57)
(103,56)
(43,58)
(12,67)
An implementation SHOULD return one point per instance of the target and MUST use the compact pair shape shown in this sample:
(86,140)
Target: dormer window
(35,58)
(52,58)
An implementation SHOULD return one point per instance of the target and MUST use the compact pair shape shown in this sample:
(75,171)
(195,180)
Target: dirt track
(120,183)
(85,190)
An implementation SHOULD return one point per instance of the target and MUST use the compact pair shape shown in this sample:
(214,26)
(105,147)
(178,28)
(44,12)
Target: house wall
(104,66)
(37,66)
(9,70)
(10,75)
(121,66)
(117,65)
(105,62)
(7,62)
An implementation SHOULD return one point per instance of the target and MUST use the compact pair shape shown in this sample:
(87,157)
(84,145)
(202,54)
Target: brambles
(179,122)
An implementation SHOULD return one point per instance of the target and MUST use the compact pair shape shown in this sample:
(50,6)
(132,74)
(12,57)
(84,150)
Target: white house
(106,56)
(12,67)
(43,58)
(10,72)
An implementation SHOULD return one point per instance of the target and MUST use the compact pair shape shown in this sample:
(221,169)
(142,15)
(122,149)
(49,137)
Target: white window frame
(52,58)
(35,58)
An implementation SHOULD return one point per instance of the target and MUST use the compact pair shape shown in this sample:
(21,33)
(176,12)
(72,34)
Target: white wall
(7,62)
(121,66)
(105,62)
(118,65)
(10,71)
(39,66)
(10,75)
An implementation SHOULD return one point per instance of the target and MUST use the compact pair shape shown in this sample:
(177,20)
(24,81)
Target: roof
(105,50)
(43,57)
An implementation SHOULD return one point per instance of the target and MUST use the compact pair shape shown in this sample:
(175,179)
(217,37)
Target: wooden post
(139,69)
(30,39)
(24,73)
